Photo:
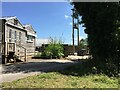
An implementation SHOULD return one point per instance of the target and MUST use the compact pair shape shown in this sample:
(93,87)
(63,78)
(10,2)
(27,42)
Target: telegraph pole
(75,25)
(78,32)
(73,31)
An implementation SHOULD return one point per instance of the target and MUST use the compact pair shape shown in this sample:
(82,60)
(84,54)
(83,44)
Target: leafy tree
(102,22)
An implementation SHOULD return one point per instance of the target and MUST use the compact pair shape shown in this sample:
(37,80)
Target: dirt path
(17,71)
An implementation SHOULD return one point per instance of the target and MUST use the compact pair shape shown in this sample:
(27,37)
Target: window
(10,35)
(15,36)
(15,22)
(19,37)
(29,38)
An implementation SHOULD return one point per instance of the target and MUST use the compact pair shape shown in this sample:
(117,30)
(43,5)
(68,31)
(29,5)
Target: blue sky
(49,19)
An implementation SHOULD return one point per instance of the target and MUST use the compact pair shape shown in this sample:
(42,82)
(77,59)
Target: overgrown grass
(57,80)
(76,76)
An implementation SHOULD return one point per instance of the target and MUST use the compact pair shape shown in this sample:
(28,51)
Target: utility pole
(73,31)
(75,25)
(78,32)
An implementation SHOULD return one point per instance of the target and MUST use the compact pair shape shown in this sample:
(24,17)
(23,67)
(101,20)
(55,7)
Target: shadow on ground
(74,68)
(79,69)
(36,67)
(88,67)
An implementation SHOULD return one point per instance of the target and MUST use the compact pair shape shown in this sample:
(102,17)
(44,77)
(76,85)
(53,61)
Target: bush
(53,50)
(38,54)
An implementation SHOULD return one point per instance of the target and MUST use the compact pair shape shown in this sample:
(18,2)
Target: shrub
(37,54)
(53,50)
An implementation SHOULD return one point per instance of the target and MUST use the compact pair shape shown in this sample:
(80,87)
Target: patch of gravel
(33,67)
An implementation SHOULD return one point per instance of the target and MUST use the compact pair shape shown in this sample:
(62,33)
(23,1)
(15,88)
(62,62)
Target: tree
(102,21)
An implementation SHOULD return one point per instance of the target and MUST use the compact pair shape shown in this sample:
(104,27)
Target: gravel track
(33,67)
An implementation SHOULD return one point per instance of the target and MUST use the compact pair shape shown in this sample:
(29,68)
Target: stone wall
(30,40)
(31,47)
(20,39)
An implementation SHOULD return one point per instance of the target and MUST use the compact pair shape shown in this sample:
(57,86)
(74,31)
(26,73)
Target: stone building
(31,38)
(17,41)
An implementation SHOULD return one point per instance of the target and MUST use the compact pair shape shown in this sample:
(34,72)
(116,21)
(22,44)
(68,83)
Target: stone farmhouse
(17,41)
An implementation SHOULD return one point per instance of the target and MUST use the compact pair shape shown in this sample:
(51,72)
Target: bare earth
(35,66)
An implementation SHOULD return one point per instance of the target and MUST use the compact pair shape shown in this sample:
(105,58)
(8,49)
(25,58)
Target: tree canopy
(102,22)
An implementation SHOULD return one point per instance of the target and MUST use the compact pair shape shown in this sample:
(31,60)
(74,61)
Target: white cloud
(66,17)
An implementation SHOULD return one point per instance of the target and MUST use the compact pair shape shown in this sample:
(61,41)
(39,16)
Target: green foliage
(102,22)
(38,54)
(54,49)
(83,43)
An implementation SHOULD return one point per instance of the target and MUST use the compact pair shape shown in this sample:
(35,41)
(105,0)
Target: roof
(15,26)
(29,25)
(23,27)
(8,17)
(31,34)
(11,17)
(26,25)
